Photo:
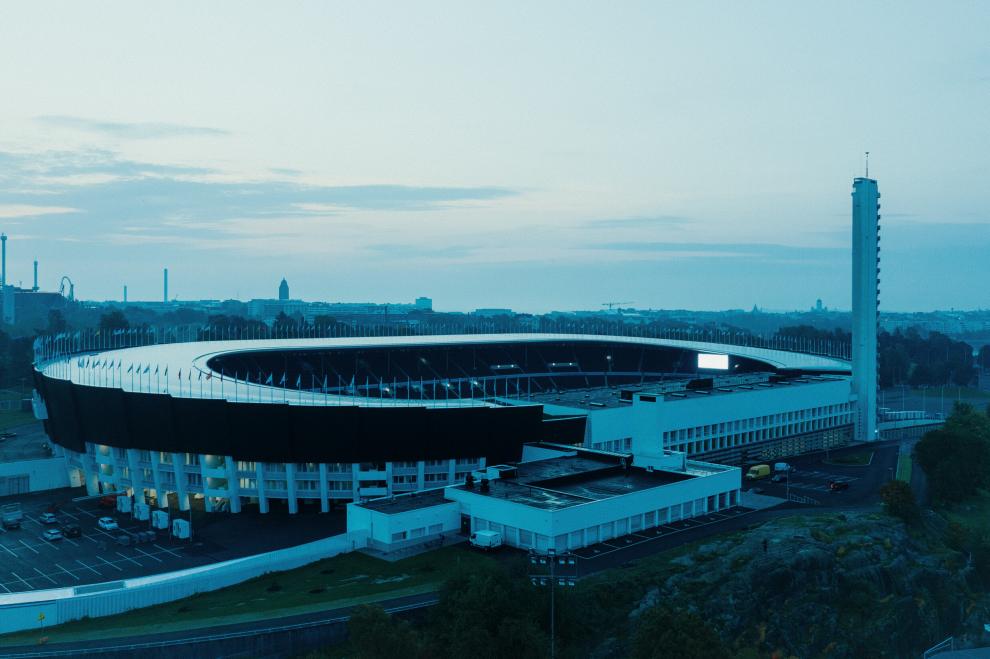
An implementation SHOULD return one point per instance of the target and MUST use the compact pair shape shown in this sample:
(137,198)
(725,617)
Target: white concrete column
(90,473)
(179,467)
(421,475)
(233,484)
(262,496)
(356,481)
(451,471)
(157,478)
(137,478)
(324,491)
(290,487)
(388,478)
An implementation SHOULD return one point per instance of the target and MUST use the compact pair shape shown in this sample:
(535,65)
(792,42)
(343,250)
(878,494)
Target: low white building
(558,497)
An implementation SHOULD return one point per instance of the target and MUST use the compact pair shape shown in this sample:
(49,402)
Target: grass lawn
(854,459)
(328,584)
(904,467)
(14,419)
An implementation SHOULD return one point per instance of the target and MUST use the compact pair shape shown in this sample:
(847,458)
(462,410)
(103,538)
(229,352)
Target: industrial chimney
(3,262)
(35,287)
(166,286)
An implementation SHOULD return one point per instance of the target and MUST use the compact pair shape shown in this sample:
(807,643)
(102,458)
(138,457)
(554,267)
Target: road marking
(85,512)
(148,555)
(22,580)
(71,541)
(89,568)
(4,587)
(71,574)
(29,547)
(68,514)
(9,551)
(119,569)
(45,576)
(168,551)
(90,538)
(128,558)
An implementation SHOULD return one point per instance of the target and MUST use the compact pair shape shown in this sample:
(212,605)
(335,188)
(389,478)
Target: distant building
(424,303)
(492,313)
(283,291)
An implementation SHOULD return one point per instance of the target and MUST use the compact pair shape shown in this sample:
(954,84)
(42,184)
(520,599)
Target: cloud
(670,221)
(26,210)
(423,251)
(133,131)
(766,252)
(104,198)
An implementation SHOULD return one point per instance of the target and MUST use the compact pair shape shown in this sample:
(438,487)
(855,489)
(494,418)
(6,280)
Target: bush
(898,500)
(664,633)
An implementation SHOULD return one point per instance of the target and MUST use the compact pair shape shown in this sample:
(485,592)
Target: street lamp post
(551,560)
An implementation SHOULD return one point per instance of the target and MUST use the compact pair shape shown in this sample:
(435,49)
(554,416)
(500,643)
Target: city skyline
(576,156)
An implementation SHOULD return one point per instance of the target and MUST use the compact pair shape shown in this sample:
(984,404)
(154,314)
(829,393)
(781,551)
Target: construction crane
(72,288)
(612,305)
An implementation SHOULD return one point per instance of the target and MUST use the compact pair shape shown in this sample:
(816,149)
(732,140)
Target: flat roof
(565,481)
(592,398)
(405,502)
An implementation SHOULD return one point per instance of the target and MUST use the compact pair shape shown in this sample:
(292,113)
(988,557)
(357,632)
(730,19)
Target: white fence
(20,611)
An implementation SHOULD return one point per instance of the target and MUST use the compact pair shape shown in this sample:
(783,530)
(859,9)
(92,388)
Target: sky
(535,156)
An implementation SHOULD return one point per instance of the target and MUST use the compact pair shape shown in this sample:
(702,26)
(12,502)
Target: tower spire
(867,164)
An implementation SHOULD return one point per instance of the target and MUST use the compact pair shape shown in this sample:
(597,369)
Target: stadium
(310,422)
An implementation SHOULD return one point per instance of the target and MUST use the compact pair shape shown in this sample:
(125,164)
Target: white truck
(486,540)
(11,516)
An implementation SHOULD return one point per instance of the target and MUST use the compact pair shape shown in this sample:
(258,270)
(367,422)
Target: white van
(782,468)
(486,540)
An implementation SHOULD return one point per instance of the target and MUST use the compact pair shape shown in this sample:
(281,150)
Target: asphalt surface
(28,562)
(28,443)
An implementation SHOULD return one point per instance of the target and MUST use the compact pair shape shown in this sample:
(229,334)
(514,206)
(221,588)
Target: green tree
(375,634)
(956,457)
(898,500)
(663,633)
(113,321)
(56,322)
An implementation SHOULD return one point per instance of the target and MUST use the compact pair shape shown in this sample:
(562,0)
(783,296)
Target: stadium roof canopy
(161,365)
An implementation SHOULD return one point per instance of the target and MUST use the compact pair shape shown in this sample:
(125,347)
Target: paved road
(192,637)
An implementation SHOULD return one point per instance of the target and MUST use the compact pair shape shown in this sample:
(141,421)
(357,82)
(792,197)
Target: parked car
(107,524)
(756,472)
(51,535)
(47,518)
(778,478)
(486,540)
(782,467)
(108,501)
(123,539)
(838,486)
(71,530)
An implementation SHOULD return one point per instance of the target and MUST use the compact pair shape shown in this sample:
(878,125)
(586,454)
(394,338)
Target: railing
(92,340)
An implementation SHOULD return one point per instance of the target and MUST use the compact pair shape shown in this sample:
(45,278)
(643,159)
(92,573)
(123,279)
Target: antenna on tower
(867,164)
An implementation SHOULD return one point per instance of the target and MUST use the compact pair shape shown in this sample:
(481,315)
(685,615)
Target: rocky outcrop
(852,585)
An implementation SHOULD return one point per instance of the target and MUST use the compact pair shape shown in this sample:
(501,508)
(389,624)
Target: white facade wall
(223,477)
(420,524)
(42,474)
(582,525)
(699,423)
(865,303)
(20,611)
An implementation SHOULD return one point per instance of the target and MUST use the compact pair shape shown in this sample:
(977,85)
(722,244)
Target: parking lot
(812,474)
(28,562)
